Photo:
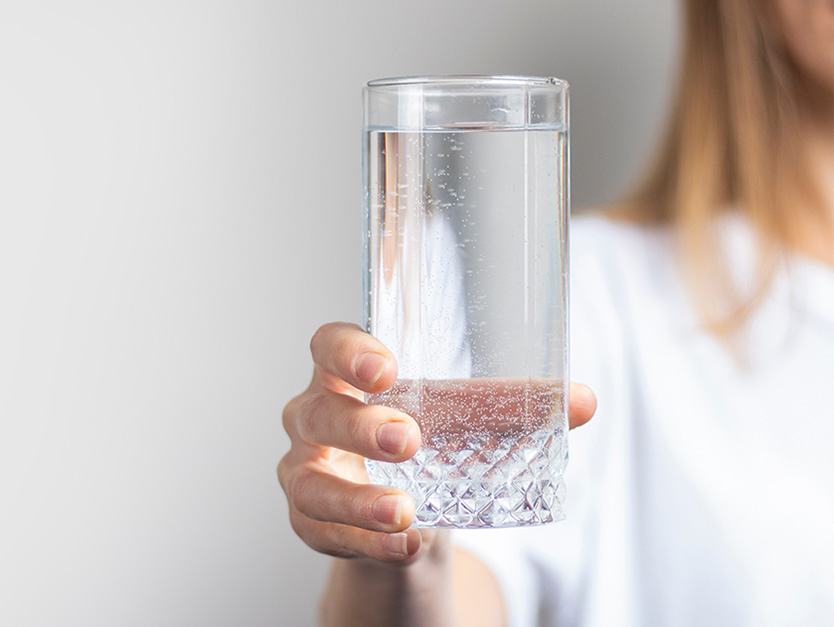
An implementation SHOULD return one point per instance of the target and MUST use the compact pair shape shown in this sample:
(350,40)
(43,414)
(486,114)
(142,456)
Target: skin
(398,575)
(806,30)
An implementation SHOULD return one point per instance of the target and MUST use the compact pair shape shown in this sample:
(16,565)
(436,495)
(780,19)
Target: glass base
(479,482)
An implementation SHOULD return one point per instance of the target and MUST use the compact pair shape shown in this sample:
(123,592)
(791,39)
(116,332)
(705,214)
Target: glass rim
(468,80)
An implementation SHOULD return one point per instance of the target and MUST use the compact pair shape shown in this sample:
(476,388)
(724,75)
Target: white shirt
(702,492)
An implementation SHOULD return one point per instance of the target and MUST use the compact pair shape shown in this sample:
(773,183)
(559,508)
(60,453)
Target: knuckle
(350,506)
(289,413)
(301,527)
(321,337)
(308,417)
(297,524)
(316,537)
(297,489)
(360,431)
(340,542)
(283,471)
(337,552)
(365,511)
(338,338)
(336,548)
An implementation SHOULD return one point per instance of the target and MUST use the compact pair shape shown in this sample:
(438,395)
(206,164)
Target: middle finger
(346,423)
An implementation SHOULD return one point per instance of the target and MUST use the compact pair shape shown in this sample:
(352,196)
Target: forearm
(366,593)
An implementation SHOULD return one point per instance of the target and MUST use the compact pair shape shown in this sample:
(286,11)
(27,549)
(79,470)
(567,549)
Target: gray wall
(179,211)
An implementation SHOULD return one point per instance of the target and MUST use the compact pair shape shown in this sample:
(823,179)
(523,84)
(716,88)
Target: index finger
(344,353)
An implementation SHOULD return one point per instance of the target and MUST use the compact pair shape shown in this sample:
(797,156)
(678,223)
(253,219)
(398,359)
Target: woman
(703,317)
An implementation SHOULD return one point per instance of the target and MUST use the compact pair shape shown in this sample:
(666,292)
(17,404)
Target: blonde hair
(732,141)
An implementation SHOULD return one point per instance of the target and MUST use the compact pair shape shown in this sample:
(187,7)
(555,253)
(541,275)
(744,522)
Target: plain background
(179,211)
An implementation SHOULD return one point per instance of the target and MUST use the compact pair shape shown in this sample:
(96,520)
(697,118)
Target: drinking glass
(465,281)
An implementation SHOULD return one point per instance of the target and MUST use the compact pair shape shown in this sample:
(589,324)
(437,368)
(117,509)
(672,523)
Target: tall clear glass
(466,231)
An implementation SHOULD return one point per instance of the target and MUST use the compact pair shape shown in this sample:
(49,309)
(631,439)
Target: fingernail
(388,509)
(397,543)
(369,367)
(393,437)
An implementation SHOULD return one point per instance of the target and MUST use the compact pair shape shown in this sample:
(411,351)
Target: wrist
(413,592)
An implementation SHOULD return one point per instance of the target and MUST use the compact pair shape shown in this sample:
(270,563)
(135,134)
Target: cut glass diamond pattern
(468,484)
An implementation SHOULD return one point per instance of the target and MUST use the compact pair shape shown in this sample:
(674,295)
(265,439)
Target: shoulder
(595,236)
(618,264)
